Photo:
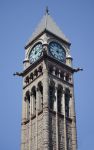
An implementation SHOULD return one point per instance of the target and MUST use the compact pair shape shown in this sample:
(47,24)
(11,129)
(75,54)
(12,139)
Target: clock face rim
(33,54)
(56,53)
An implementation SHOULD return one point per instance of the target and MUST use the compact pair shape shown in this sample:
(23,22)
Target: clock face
(57,51)
(35,53)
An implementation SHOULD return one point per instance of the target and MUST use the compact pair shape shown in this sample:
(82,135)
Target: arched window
(59,98)
(57,72)
(40,69)
(28,104)
(67,77)
(69,142)
(67,100)
(53,70)
(52,95)
(31,76)
(35,73)
(27,80)
(33,91)
(40,94)
(62,75)
(50,69)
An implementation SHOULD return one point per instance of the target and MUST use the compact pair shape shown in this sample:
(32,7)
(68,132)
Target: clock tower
(48,107)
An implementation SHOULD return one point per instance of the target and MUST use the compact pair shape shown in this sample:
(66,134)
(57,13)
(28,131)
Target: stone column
(33,104)
(73,116)
(46,145)
(62,107)
(30,125)
(27,109)
(40,101)
(24,110)
(64,113)
(37,101)
(24,119)
(64,76)
(53,72)
(59,73)
(57,142)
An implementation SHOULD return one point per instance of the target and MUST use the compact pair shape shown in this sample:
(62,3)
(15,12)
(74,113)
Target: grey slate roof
(48,24)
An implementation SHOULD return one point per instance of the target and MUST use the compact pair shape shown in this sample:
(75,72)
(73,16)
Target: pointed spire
(46,16)
(48,24)
(47,10)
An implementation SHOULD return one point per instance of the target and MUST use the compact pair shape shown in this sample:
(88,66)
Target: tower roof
(48,24)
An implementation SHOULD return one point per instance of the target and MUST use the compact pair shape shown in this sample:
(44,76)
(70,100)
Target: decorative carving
(45,49)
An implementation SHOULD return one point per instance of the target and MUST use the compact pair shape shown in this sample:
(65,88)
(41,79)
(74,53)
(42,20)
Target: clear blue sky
(18,19)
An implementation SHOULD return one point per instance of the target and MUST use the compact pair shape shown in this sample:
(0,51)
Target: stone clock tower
(48,109)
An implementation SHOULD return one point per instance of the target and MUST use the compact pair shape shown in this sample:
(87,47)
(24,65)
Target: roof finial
(47,10)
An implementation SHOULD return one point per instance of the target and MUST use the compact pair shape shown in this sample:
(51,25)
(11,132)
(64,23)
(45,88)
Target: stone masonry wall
(52,131)
(69,135)
(40,132)
(61,133)
(33,134)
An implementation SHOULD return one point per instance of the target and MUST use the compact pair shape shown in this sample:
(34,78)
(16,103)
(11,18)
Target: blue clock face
(35,53)
(57,51)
